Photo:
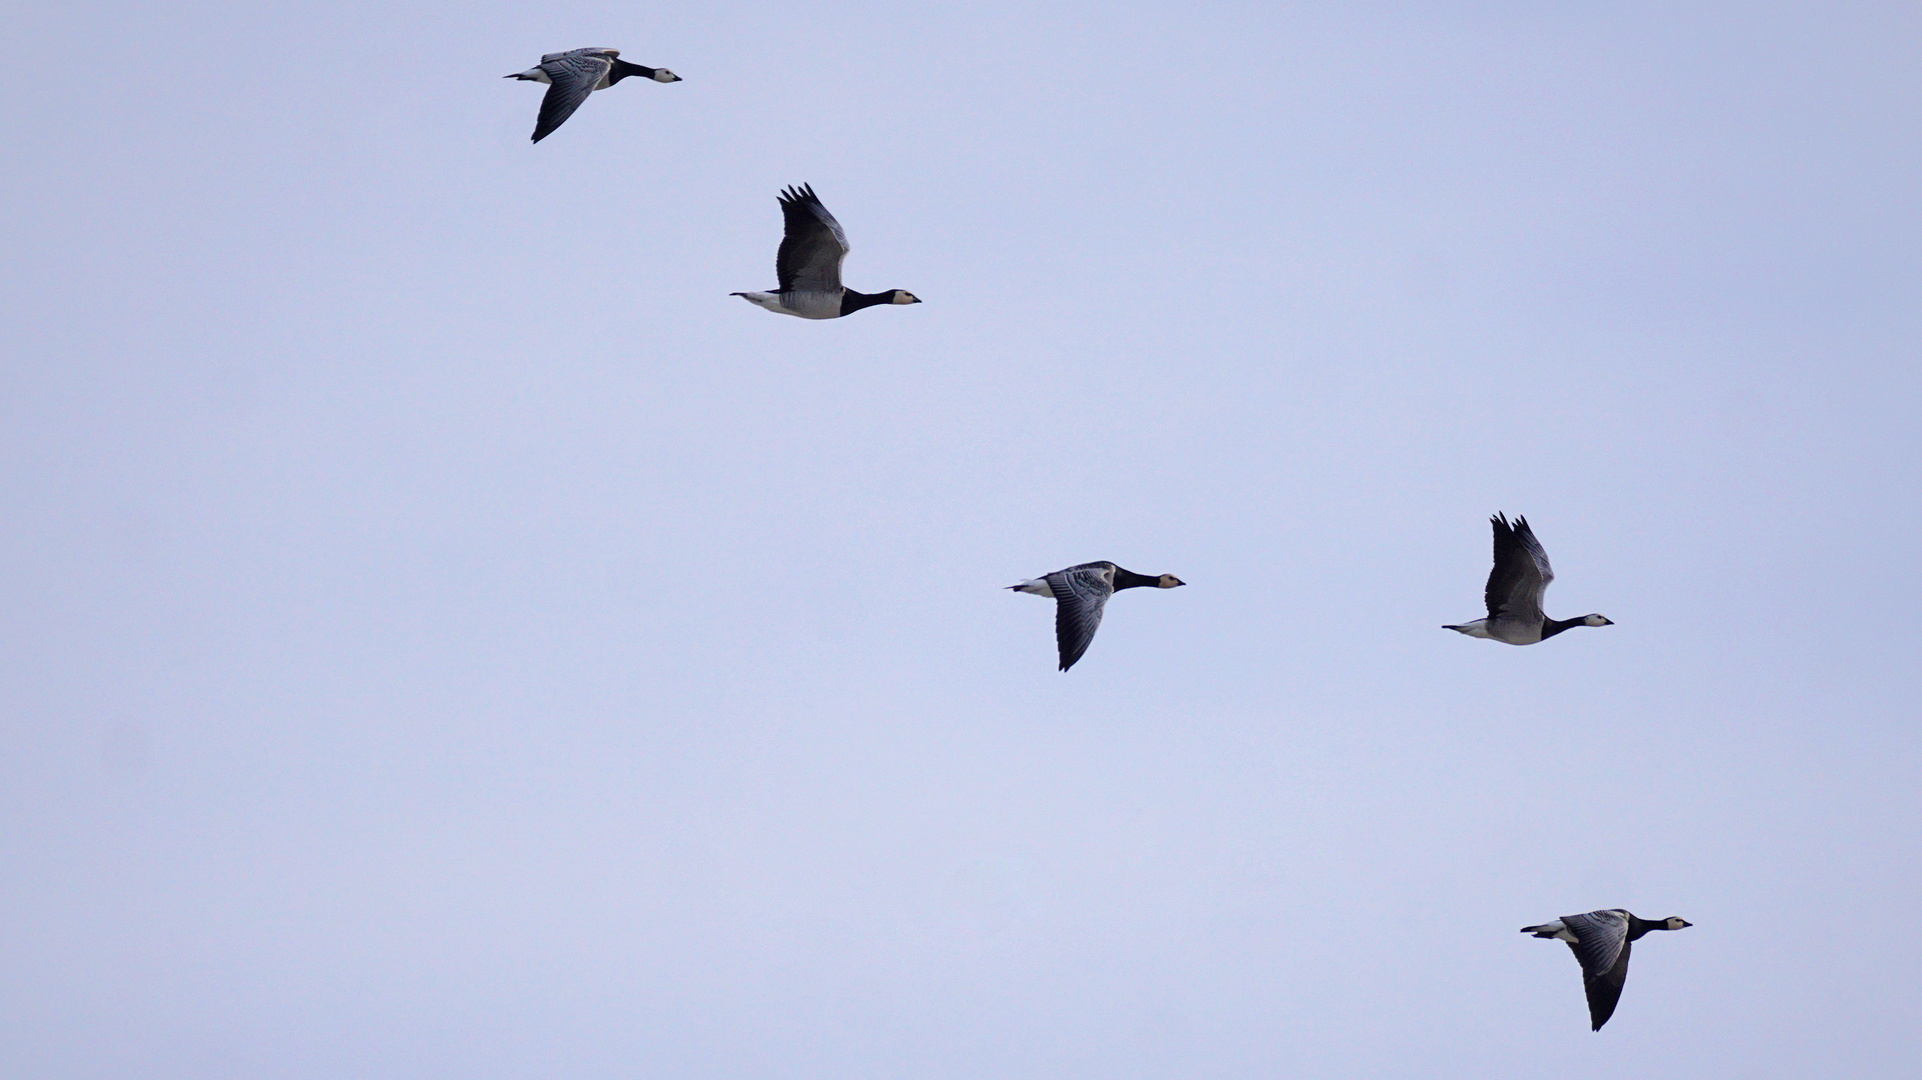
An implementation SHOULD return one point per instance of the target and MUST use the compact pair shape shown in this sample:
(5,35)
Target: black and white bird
(1515,588)
(1080,593)
(1600,941)
(572,75)
(808,265)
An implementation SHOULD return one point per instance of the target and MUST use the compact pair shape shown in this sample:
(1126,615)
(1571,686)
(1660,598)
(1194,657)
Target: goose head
(902,296)
(1597,620)
(1675,923)
(664,75)
(1168,581)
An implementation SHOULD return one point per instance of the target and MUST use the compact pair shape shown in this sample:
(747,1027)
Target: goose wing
(1600,936)
(574,75)
(1080,594)
(813,247)
(1601,947)
(1521,574)
(1605,990)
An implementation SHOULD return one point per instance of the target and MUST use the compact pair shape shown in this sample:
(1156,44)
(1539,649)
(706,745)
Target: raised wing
(575,75)
(1521,574)
(813,247)
(1080,593)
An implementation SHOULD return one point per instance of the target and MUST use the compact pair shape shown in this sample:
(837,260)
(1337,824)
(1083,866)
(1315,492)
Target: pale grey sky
(447,636)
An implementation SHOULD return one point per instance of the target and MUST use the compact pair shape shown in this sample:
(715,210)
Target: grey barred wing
(1605,990)
(1081,594)
(1601,937)
(574,78)
(609,53)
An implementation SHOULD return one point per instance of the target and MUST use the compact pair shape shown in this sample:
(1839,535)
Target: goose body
(571,76)
(808,265)
(1600,941)
(1515,587)
(1080,594)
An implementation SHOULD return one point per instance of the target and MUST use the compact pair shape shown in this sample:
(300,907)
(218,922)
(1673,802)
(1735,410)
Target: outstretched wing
(575,75)
(1080,594)
(813,247)
(1521,572)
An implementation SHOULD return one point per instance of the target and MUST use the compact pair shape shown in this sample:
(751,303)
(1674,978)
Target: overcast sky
(446,636)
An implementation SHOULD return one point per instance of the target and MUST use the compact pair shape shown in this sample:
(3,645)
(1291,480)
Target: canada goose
(809,265)
(571,76)
(1515,590)
(1600,942)
(1080,592)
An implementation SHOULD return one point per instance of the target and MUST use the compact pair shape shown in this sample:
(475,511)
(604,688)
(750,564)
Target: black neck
(1551,627)
(1128,579)
(622,69)
(1639,926)
(855,301)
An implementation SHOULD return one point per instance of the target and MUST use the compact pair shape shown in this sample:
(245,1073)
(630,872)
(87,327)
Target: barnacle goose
(809,265)
(1515,588)
(1600,941)
(571,76)
(1080,593)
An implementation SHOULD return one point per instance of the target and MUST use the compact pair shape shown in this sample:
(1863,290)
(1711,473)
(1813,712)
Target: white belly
(812,305)
(799,305)
(1516,633)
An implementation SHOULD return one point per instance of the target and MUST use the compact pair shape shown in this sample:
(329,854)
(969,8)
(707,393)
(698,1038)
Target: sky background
(445,635)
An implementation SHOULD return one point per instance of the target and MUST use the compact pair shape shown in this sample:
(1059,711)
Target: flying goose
(1080,592)
(1515,590)
(809,265)
(1600,942)
(571,76)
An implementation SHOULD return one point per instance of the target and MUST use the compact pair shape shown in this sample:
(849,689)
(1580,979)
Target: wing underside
(812,247)
(1521,573)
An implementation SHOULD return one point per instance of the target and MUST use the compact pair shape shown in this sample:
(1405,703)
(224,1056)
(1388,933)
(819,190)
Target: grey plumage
(813,246)
(1520,577)
(1081,596)
(807,267)
(573,75)
(1600,939)
(1602,942)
